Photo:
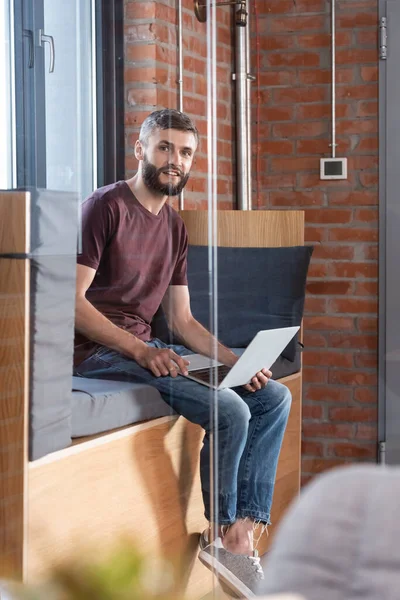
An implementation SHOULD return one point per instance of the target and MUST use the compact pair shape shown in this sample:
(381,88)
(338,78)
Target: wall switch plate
(333,168)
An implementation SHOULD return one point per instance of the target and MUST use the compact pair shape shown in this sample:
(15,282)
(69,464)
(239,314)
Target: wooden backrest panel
(14,222)
(248,229)
(14,378)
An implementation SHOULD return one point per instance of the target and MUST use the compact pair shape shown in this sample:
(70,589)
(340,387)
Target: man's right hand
(161,361)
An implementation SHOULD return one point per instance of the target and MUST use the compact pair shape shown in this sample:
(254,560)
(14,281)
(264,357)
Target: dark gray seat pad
(99,405)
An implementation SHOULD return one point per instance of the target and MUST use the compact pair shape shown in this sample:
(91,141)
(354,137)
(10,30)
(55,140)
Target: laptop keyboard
(208,375)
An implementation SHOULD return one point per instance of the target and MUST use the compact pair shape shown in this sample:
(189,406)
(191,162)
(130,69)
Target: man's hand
(161,361)
(259,381)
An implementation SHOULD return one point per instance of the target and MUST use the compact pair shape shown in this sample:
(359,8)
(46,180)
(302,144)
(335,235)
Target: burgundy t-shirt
(136,255)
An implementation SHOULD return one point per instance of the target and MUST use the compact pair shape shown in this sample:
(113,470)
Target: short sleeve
(179,276)
(97,226)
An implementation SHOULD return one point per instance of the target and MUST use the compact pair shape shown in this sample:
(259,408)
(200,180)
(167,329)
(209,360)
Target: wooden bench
(139,481)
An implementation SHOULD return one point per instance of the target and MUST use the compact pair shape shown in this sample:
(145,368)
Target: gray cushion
(340,541)
(99,405)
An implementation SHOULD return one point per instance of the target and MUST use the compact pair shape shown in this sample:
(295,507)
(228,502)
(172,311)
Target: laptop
(261,353)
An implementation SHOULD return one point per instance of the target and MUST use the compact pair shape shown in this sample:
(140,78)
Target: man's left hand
(259,381)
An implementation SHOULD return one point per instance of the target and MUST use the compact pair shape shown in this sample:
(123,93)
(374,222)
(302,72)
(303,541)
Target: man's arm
(95,326)
(176,306)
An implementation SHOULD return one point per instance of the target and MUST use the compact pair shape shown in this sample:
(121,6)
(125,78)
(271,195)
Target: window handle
(28,33)
(47,39)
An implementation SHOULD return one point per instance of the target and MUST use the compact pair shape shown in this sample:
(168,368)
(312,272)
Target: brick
(311,412)
(353,305)
(301,130)
(278,181)
(367,37)
(357,92)
(349,450)
(278,147)
(320,76)
(318,270)
(330,430)
(311,180)
(311,448)
(296,95)
(366,215)
(367,361)
(277,42)
(369,73)
(135,117)
(327,215)
(139,53)
(320,465)
(328,393)
(314,340)
(328,358)
(357,126)
(331,288)
(293,59)
(148,75)
(139,33)
(366,432)
(283,7)
(315,234)
(315,305)
(272,78)
(328,323)
(353,198)
(336,252)
(356,341)
(354,269)
(369,324)
(288,198)
(366,288)
(367,109)
(368,144)
(299,23)
(368,179)
(315,374)
(351,377)
(353,235)
(310,147)
(353,56)
(323,111)
(370,251)
(356,415)
(323,40)
(366,395)
(355,20)
(282,165)
(138,96)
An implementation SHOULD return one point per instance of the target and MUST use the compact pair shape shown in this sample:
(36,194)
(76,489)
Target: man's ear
(139,151)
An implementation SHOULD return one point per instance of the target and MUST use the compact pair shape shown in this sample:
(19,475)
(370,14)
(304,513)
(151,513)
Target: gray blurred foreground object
(341,539)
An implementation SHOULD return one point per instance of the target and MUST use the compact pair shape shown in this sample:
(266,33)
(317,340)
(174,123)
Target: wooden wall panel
(14,365)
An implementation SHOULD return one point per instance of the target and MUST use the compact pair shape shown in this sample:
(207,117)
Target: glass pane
(6,87)
(70,94)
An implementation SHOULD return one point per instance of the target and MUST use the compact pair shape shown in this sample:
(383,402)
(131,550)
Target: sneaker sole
(229,579)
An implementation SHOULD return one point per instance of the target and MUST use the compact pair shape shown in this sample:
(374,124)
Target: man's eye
(163,147)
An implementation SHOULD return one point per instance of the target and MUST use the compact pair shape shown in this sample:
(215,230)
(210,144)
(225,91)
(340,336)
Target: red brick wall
(340,362)
(291,56)
(151,83)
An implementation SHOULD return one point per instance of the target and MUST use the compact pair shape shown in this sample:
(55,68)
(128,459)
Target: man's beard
(151,178)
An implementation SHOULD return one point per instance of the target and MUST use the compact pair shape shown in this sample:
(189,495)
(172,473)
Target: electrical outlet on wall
(333,168)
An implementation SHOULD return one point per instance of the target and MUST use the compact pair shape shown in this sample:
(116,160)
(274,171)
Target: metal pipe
(180,76)
(333,35)
(242,149)
(248,106)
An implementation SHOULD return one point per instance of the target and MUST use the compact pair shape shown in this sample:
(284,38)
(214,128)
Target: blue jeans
(250,429)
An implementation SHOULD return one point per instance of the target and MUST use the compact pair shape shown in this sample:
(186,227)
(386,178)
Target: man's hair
(168,118)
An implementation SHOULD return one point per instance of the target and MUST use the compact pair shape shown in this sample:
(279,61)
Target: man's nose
(176,158)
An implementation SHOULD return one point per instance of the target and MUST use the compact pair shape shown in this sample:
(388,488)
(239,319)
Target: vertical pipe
(242,150)
(333,35)
(248,105)
(180,76)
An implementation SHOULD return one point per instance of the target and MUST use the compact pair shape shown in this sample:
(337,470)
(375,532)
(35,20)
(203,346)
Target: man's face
(166,161)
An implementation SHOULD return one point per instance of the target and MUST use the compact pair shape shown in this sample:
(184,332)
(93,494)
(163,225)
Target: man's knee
(233,411)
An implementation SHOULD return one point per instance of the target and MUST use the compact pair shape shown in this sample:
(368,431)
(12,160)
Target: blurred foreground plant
(123,575)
